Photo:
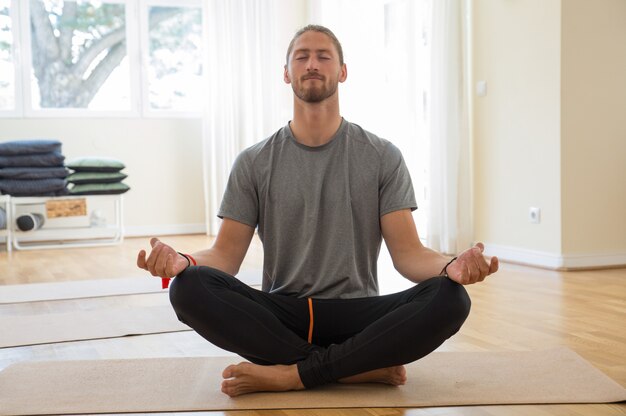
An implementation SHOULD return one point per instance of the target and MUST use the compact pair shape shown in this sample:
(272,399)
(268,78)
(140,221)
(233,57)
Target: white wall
(516,49)
(593,127)
(551,131)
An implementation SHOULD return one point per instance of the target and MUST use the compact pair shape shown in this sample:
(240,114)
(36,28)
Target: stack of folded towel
(97,176)
(32,168)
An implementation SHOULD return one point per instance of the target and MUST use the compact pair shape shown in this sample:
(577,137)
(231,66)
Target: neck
(315,124)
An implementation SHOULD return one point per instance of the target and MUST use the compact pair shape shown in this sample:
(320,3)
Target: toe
(231,371)
(228,391)
(229,388)
(228,372)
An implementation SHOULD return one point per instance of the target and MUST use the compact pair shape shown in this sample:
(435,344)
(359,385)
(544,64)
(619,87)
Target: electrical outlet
(534,215)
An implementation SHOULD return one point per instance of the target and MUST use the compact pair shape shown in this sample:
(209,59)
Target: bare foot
(396,376)
(245,378)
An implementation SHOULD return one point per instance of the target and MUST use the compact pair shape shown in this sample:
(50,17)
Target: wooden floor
(519,308)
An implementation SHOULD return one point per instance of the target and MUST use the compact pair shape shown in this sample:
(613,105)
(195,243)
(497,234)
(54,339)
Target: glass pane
(7,70)
(79,54)
(175,61)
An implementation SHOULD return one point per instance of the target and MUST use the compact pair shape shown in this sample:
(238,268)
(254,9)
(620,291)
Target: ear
(343,74)
(286,76)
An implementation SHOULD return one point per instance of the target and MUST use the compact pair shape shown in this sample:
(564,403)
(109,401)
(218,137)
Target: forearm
(420,263)
(217,259)
(229,249)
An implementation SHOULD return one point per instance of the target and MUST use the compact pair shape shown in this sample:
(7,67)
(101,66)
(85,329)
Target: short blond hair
(320,29)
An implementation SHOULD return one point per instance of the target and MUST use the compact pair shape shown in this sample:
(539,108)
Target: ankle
(294,377)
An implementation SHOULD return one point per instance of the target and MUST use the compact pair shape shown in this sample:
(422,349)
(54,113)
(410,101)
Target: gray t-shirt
(318,209)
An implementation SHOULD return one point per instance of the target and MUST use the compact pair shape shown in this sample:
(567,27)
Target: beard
(313,93)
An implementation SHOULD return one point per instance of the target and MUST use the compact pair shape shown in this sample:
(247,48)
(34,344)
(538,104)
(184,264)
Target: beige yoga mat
(193,384)
(114,321)
(34,292)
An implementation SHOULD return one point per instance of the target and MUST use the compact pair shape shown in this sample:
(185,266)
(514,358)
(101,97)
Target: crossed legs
(353,340)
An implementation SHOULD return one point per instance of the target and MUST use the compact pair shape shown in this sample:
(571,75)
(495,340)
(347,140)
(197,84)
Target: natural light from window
(7,70)
(407,85)
(388,85)
(102,57)
(175,58)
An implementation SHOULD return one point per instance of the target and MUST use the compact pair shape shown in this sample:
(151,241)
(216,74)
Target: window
(7,66)
(174,59)
(81,57)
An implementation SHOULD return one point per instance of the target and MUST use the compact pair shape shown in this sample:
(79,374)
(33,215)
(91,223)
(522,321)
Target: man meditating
(323,193)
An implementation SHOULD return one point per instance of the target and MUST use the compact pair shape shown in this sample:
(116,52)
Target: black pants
(347,336)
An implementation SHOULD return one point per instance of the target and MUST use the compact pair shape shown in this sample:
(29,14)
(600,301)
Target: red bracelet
(190,259)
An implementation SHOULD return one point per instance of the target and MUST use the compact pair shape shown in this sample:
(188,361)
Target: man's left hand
(471,266)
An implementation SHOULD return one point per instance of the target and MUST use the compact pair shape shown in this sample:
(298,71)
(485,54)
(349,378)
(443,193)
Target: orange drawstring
(310,320)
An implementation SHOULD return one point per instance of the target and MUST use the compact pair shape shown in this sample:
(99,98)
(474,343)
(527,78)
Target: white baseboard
(167,229)
(584,261)
(555,261)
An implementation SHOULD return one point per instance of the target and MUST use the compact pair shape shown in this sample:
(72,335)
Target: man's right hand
(163,260)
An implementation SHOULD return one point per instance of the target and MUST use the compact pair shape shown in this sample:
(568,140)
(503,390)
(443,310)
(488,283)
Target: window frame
(18,107)
(137,36)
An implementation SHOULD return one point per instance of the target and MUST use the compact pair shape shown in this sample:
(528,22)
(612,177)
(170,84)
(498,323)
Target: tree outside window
(79,53)
(75,47)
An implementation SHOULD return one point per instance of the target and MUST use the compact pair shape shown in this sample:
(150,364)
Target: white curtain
(450,218)
(244,78)
(388,43)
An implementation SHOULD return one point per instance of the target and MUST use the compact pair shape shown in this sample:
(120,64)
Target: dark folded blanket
(39,160)
(32,187)
(62,192)
(29,147)
(33,173)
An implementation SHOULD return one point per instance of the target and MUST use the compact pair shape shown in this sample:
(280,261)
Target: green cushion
(95,164)
(96,177)
(99,188)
